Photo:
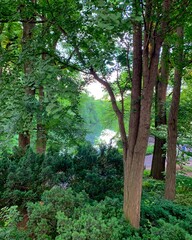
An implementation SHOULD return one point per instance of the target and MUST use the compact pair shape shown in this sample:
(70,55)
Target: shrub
(64,214)
(25,178)
(167,231)
(42,215)
(153,210)
(10,217)
(98,172)
(88,226)
(184,184)
(184,199)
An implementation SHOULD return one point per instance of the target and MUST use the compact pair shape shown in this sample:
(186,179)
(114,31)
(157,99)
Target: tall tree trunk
(130,208)
(138,138)
(170,181)
(24,136)
(28,26)
(159,154)
(135,159)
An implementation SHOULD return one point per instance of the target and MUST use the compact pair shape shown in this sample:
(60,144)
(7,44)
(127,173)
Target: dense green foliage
(65,214)
(25,178)
(79,196)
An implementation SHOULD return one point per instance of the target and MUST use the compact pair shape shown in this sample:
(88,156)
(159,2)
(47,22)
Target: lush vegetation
(58,180)
(79,196)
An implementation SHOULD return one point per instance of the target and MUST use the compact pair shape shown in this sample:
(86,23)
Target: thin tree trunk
(159,155)
(118,112)
(170,181)
(41,130)
(1,68)
(158,161)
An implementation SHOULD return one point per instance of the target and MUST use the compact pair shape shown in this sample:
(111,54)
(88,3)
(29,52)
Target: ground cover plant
(66,203)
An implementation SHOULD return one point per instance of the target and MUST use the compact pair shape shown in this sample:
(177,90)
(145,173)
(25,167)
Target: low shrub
(183,184)
(184,199)
(168,231)
(170,212)
(64,214)
(42,215)
(9,219)
(98,171)
(26,178)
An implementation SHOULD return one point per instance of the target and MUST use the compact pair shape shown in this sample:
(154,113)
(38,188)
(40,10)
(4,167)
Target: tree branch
(116,109)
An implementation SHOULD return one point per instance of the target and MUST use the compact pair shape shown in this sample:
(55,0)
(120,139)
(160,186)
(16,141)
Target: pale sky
(95,89)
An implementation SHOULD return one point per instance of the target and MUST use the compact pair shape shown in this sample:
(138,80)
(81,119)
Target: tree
(173,117)
(154,34)
(28,27)
(134,147)
(37,93)
(159,154)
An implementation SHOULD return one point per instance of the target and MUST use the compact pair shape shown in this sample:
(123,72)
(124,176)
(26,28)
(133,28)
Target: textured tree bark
(158,161)
(135,160)
(138,136)
(132,185)
(24,137)
(170,181)
(133,188)
(159,155)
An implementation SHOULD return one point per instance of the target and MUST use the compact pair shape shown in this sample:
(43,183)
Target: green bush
(170,212)
(153,187)
(168,231)
(184,190)
(98,172)
(42,215)
(64,214)
(184,199)
(87,226)
(184,184)
(67,212)
(9,218)
(25,178)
